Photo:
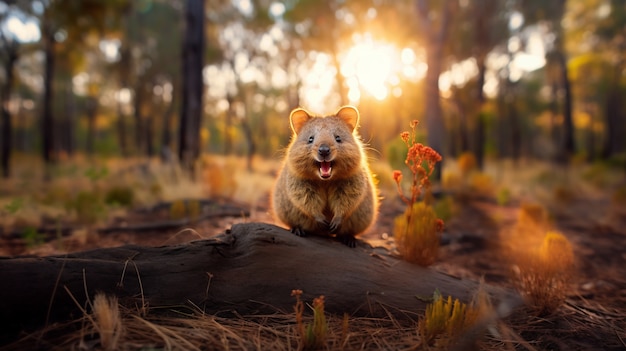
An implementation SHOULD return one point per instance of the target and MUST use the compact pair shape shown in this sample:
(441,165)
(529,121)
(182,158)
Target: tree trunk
(250,269)
(192,84)
(166,135)
(91,124)
(6,123)
(139,125)
(613,112)
(247,131)
(121,130)
(47,120)
(436,38)
(568,147)
(149,137)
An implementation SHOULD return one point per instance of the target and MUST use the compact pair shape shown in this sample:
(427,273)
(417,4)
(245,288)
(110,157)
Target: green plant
(94,173)
(417,230)
(445,208)
(314,335)
(14,206)
(88,207)
(119,195)
(32,237)
(503,196)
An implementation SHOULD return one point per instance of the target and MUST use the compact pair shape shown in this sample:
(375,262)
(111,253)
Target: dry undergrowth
(106,324)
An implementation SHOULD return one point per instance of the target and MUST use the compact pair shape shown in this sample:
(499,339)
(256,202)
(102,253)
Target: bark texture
(250,269)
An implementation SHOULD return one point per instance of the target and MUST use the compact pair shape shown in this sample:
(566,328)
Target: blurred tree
(192,84)
(551,14)
(435,24)
(65,27)
(611,30)
(480,27)
(9,53)
(315,25)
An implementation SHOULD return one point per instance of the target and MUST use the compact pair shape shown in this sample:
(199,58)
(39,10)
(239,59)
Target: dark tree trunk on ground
(192,84)
(251,269)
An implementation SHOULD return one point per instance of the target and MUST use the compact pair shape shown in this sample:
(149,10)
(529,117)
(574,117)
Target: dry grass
(542,259)
(110,326)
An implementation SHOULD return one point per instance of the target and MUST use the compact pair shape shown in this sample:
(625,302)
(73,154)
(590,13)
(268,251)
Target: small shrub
(185,209)
(14,206)
(417,234)
(194,209)
(88,207)
(467,163)
(545,271)
(32,237)
(312,336)
(563,194)
(445,208)
(619,196)
(445,320)
(503,196)
(452,181)
(481,183)
(120,195)
(178,209)
(417,230)
(532,213)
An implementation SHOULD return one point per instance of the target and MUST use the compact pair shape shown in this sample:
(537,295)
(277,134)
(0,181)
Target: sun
(376,67)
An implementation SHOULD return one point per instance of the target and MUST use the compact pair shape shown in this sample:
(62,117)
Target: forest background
(516,79)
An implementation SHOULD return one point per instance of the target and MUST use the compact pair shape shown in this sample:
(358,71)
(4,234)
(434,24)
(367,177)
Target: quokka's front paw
(347,240)
(334,224)
(298,231)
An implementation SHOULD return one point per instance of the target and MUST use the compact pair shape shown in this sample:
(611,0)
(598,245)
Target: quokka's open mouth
(325,169)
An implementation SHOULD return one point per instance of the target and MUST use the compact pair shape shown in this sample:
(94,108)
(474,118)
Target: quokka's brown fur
(325,186)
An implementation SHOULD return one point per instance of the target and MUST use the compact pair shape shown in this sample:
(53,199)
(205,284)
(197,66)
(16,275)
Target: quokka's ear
(298,118)
(350,115)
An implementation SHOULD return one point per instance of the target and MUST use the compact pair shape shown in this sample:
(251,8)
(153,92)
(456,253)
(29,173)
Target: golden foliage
(445,320)
(417,234)
(544,273)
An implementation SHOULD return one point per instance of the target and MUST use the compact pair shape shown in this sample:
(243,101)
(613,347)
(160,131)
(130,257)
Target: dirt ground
(593,316)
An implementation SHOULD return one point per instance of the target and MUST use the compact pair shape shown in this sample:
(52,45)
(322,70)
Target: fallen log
(249,269)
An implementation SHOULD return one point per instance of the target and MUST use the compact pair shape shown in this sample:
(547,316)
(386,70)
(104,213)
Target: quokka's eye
(311,139)
(337,138)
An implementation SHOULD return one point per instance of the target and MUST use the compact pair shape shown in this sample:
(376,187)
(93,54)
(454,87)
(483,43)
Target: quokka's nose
(324,150)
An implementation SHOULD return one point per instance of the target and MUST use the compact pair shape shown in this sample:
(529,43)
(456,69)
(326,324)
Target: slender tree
(192,84)
(435,28)
(10,54)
